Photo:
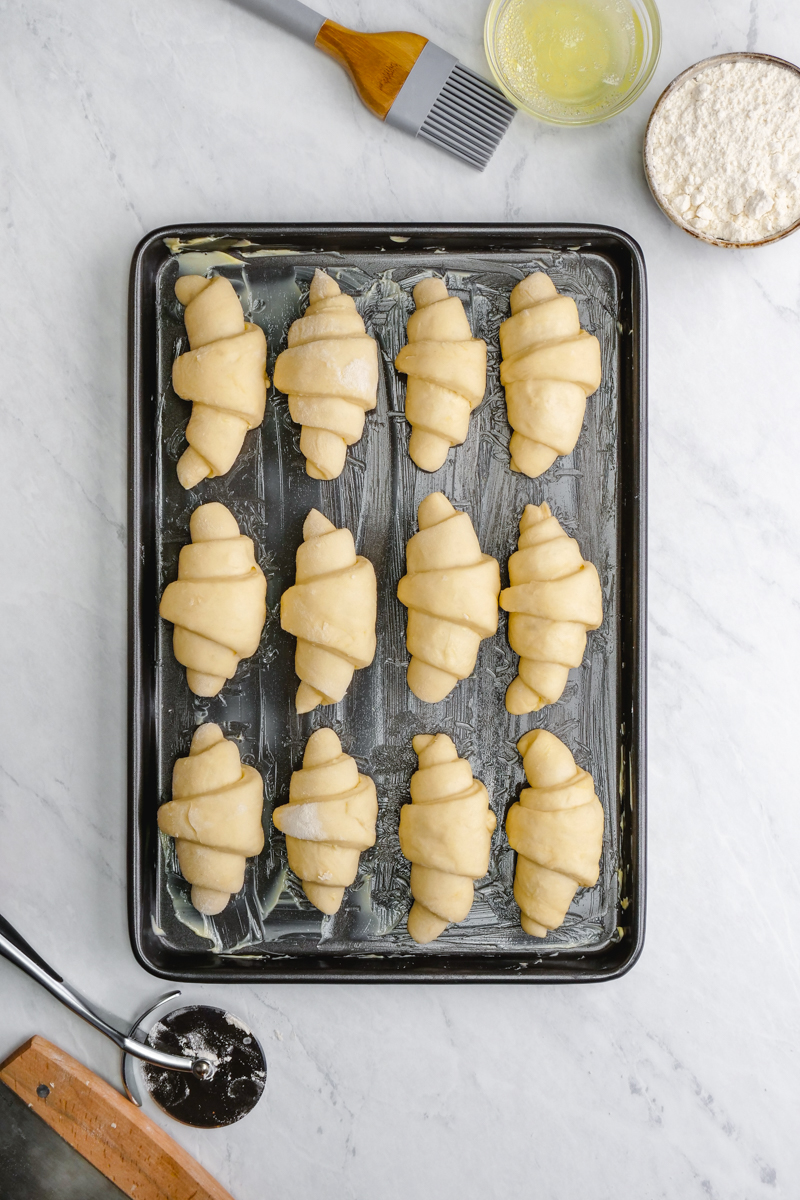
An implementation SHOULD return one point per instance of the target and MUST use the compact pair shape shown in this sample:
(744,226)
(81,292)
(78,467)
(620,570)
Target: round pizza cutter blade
(238,1073)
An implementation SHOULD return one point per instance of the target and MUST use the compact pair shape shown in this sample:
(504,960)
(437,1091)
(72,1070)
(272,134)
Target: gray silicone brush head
(451,106)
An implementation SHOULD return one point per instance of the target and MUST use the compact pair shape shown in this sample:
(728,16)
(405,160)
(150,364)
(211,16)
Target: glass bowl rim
(646,74)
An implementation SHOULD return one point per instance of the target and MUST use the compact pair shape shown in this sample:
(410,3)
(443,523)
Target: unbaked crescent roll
(556,828)
(550,365)
(218,602)
(446,369)
(224,373)
(330,374)
(331,610)
(215,817)
(554,598)
(446,834)
(329,820)
(450,591)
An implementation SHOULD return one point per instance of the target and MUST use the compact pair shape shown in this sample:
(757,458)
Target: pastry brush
(406,80)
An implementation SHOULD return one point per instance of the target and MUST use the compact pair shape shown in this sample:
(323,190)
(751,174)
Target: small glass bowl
(679,81)
(650,22)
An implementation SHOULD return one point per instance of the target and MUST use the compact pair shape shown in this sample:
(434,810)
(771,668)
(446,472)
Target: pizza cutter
(202,1065)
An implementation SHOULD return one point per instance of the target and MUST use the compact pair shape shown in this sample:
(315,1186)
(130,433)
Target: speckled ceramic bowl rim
(678,81)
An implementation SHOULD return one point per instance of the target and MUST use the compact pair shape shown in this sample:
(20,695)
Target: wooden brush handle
(378,63)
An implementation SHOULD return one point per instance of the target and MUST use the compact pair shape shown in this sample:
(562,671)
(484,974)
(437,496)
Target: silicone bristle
(468,118)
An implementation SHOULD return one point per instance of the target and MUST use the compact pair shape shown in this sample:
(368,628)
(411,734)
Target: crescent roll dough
(555,596)
(224,372)
(446,369)
(330,374)
(215,817)
(218,602)
(550,365)
(331,610)
(450,591)
(557,830)
(446,834)
(329,820)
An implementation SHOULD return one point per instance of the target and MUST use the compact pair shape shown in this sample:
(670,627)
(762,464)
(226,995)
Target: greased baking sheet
(270,930)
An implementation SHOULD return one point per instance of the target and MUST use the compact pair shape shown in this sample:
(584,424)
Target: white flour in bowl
(723,151)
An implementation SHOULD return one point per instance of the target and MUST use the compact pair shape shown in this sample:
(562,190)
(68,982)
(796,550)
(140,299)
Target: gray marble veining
(679,1081)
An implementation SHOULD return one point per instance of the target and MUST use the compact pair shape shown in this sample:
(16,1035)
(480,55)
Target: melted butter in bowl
(572,62)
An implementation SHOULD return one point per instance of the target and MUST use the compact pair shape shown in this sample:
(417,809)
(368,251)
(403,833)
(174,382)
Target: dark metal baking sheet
(270,931)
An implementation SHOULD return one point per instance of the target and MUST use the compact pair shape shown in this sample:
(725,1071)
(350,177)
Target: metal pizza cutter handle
(218,1061)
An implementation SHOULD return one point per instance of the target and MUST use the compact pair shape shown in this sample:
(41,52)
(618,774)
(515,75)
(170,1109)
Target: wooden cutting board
(130,1150)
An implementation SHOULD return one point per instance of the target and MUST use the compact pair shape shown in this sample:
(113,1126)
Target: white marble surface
(680,1080)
